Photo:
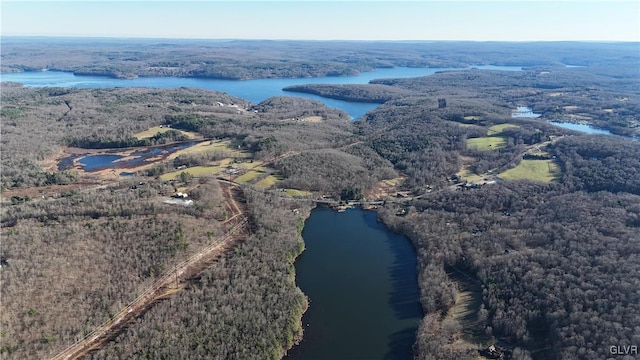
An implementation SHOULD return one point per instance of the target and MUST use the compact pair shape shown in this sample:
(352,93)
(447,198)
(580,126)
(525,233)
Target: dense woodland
(557,268)
(70,263)
(556,263)
(372,93)
(245,307)
(253,59)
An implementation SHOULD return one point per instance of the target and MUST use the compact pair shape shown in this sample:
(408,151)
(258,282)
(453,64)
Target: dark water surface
(361,279)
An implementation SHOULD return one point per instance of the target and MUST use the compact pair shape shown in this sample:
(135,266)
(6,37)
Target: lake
(581,127)
(361,279)
(524,112)
(252,90)
(588,129)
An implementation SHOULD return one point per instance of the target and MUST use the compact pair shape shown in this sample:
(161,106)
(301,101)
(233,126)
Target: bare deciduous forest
(554,262)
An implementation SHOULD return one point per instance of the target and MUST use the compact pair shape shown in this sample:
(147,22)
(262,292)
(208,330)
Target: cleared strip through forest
(180,272)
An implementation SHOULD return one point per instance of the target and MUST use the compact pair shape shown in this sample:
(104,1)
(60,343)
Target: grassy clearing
(157,129)
(297,193)
(313,119)
(465,312)
(267,182)
(210,146)
(486,143)
(537,170)
(394,181)
(151,132)
(249,165)
(497,129)
(194,171)
(250,175)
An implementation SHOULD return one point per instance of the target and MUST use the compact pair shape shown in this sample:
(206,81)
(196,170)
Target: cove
(252,90)
(361,281)
(588,129)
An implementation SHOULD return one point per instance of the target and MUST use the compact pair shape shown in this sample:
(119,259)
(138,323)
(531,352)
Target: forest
(254,59)
(554,261)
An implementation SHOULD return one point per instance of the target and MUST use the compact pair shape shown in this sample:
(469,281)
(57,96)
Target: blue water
(361,279)
(105,161)
(252,90)
(96,162)
(524,112)
(582,128)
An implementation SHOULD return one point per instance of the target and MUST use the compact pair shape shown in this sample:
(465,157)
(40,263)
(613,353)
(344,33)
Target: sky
(538,20)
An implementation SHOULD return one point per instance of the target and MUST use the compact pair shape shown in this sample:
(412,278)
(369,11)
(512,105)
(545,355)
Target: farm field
(497,129)
(267,182)
(297,193)
(536,170)
(157,129)
(194,171)
(209,146)
(486,143)
(250,175)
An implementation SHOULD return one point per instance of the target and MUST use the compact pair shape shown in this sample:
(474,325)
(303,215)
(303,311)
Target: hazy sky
(328,20)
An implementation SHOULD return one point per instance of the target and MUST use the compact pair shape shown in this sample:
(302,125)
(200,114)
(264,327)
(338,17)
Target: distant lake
(524,112)
(252,90)
(581,127)
(361,279)
(588,129)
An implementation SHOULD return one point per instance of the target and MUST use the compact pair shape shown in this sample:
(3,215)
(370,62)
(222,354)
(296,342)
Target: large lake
(361,280)
(252,90)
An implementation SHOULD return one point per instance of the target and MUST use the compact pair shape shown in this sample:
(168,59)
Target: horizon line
(80,37)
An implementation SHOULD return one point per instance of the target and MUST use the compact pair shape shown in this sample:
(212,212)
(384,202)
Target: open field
(486,143)
(497,129)
(394,182)
(314,119)
(537,170)
(157,129)
(465,312)
(297,193)
(267,182)
(151,132)
(194,171)
(250,175)
(207,146)
(253,164)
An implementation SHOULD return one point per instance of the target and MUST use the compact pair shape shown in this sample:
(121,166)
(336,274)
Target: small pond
(93,162)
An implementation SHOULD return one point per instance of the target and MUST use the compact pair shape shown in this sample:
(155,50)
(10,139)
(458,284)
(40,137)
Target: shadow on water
(362,284)
(404,298)
(398,341)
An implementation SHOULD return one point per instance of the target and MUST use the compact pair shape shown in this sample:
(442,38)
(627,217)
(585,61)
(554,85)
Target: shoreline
(298,319)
